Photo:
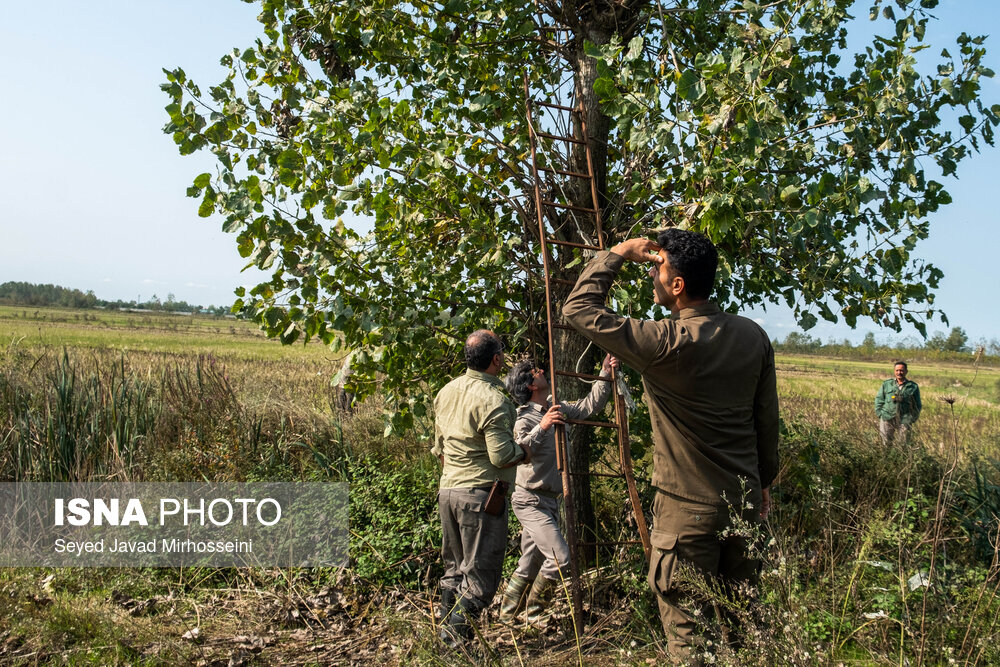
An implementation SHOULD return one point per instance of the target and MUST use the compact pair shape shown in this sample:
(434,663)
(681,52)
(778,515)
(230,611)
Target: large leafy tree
(373,156)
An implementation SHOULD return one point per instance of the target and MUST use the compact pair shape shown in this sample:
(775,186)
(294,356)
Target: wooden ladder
(549,207)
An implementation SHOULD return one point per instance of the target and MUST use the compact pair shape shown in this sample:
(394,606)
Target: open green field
(973,384)
(840,393)
(155,397)
(146,331)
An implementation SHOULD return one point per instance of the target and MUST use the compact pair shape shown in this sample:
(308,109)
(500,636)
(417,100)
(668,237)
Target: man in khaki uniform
(710,385)
(474,440)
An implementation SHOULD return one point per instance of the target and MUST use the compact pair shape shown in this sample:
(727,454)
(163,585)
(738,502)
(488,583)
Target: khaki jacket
(709,383)
(474,432)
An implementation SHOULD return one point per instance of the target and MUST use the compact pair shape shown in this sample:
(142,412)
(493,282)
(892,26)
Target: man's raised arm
(634,342)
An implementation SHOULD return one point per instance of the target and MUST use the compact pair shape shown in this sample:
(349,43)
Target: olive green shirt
(474,432)
(895,399)
(709,382)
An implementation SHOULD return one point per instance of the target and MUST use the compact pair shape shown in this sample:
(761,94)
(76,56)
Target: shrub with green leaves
(980,510)
(395,530)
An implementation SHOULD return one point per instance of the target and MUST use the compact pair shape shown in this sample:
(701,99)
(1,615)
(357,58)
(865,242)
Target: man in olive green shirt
(474,440)
(710,384)
(897,405)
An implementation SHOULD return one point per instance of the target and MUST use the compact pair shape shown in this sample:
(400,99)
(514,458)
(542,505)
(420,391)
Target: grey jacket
(540,474)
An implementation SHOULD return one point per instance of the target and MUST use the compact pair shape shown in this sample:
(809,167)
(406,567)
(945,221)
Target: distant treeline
(29,294)
(954,345)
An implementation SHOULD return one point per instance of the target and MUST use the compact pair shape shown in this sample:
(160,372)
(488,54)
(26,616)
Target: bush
(979,507)
(395,529)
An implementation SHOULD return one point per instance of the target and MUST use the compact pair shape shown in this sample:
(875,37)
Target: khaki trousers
(686,535)
(472,545)
(893,429)
(544,551)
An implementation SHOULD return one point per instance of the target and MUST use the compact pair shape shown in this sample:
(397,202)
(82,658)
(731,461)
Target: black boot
(457,629)
(447,604)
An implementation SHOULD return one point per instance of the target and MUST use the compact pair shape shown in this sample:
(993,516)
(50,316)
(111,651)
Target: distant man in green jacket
(474,440)
(898,406)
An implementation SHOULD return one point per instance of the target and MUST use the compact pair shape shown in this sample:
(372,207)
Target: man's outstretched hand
(638,250)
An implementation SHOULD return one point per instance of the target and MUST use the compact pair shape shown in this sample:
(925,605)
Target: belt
(542,492)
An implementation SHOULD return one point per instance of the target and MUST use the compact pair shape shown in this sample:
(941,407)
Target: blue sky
(93,191)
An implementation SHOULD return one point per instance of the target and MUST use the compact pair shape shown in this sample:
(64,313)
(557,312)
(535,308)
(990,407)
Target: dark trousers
(686,534)
(473,544)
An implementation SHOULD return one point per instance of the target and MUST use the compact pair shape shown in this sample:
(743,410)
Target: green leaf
(688,85)
(591,50)
(480,102)
(202,180)
(207,205)
(291,160)
(789,193)
(634,48)
(604,89)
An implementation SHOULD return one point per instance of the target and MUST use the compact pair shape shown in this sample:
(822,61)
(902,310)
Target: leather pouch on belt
(495,502)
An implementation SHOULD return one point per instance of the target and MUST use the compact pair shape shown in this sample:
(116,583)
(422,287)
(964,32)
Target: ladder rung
(564,327)
(586,422)
(571,244)
(596,474)
(564,173)
(552,105)
(546,135)
(575,208)
(583,376)
(563,281)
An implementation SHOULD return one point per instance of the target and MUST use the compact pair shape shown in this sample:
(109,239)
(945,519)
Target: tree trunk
(594,21)
(571,346)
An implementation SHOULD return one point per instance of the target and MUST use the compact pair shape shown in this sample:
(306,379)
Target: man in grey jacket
(544,552)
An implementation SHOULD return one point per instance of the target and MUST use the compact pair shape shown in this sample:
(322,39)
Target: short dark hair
(518,379)
(900,363)
(480,348)
(693,257)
